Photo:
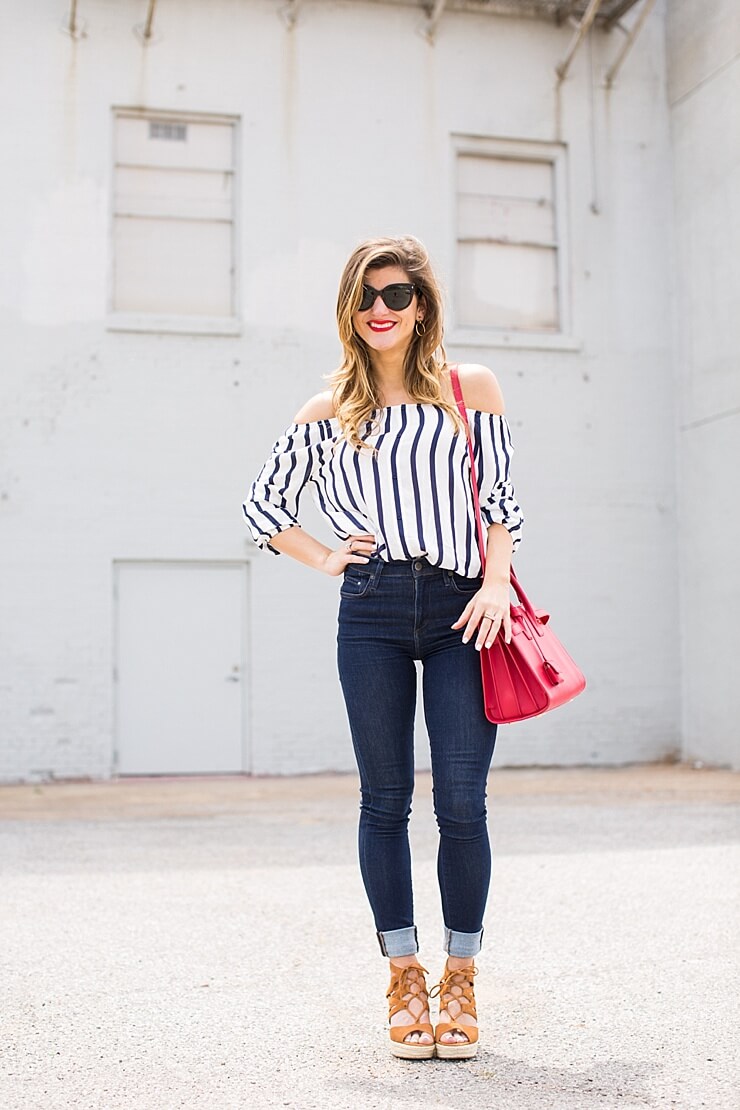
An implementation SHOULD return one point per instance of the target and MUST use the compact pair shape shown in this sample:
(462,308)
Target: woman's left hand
(488,610)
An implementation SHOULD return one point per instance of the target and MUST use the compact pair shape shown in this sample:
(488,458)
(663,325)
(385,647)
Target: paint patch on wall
(64,259)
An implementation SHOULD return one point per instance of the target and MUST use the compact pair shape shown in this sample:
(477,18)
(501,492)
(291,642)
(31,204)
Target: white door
(180,665)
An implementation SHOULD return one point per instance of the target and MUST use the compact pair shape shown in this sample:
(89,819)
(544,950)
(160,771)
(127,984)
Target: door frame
(245,670)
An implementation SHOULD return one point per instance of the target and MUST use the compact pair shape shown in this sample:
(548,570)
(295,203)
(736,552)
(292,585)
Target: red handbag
(534,672)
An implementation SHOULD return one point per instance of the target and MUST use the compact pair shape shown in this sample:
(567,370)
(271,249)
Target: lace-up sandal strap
(402,983)
(400,994)
(461,979)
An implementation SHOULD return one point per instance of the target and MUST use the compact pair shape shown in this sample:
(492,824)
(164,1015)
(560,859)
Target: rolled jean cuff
(398,942)
(462,944)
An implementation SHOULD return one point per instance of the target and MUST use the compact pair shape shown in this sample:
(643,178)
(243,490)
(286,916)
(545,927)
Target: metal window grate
(174,132)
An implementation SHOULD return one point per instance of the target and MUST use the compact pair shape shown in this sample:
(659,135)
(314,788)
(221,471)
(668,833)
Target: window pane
(172,266)
(507,241)
(186,193)
(505,177)
(208,146)
(173,215)
(503,286)
(481,217)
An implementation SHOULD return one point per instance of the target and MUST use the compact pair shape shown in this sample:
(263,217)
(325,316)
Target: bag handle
(457,390)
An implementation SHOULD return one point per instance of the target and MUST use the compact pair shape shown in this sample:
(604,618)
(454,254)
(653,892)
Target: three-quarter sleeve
(493,453)
(271,505)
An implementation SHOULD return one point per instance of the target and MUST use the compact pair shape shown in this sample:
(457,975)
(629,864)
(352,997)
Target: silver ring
(349,545)
(492,616)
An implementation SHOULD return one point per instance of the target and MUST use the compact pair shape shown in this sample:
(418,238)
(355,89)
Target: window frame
(170,323)
(519,150)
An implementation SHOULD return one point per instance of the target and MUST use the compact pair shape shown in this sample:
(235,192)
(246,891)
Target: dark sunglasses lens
(395,297)
(398,296)
(368,298)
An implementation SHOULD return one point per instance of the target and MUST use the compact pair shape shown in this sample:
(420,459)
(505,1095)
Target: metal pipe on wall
(588,18)
(289,13)
(627,44)
(147,32)
(616,14)
(564,11)
(430,27)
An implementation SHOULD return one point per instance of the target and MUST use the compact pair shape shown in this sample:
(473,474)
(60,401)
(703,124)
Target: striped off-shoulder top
(413,494)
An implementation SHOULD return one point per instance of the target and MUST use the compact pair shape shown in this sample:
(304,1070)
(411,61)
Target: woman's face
(385,329)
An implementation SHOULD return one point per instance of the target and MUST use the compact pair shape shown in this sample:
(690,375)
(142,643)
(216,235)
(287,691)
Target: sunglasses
(396,296)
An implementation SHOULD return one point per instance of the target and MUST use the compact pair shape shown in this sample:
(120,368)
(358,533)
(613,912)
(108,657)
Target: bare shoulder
(480,388)
(319,407)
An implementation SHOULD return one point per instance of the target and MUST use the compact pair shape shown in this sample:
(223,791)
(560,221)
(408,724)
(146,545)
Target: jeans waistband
(406,568)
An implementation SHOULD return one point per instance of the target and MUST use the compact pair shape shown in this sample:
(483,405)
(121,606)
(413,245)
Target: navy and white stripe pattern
(414,495)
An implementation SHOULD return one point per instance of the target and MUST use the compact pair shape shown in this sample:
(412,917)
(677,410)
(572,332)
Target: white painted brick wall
(703,90)
(143,446)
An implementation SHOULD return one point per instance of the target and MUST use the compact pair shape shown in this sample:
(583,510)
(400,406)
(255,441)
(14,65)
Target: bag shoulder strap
(457,391)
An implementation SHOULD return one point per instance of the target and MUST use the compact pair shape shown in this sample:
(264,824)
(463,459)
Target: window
(511,243)
(174,246)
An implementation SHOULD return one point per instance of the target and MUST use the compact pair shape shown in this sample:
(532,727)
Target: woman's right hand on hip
(356,549)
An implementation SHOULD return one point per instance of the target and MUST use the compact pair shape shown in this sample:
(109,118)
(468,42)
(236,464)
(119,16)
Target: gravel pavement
(206,943)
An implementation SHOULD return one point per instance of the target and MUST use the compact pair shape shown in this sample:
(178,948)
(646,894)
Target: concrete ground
(205,943)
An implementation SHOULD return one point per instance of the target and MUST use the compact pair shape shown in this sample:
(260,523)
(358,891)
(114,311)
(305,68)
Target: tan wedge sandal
(409,989)
(456,986)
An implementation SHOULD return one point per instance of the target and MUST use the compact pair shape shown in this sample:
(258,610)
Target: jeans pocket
(466,587)
(356,581)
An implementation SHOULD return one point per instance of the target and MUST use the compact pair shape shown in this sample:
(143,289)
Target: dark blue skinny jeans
(391,614)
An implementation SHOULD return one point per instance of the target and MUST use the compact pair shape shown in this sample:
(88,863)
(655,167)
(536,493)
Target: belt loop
(378,572)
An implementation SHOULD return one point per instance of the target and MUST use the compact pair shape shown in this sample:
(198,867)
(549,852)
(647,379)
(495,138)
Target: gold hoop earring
(420,327)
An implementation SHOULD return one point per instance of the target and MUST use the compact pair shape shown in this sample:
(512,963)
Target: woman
(385,452)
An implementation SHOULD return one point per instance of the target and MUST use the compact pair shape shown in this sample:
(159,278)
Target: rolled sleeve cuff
(266,521)
(512,521)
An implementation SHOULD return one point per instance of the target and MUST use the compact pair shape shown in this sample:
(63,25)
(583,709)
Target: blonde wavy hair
(355,390)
